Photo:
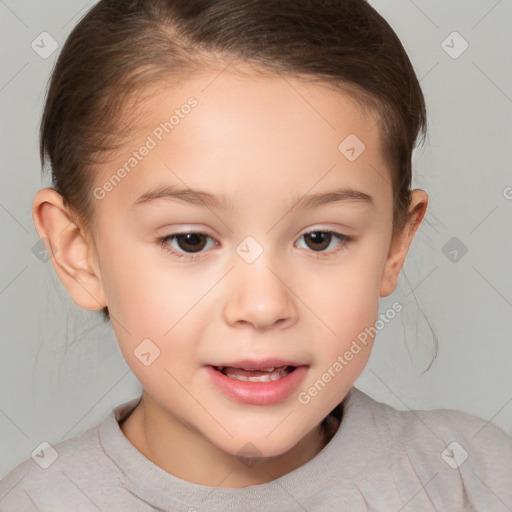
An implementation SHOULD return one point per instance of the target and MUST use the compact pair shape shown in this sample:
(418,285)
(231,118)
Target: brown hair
(120,47)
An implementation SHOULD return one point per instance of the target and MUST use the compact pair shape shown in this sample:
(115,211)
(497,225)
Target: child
(232,189)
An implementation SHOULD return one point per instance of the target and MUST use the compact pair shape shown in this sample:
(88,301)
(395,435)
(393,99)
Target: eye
(186,245)
(319,241)
(181,244)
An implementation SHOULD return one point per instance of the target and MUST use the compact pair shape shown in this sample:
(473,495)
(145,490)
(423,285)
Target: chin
(259,446)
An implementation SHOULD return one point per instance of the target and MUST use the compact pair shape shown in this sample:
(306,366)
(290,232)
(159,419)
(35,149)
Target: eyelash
(164,243)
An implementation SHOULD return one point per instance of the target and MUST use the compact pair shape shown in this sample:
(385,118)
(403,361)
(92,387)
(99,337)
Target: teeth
(220,368)
(272,376)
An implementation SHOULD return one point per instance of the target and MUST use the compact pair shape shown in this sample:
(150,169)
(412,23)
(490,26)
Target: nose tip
(259,298)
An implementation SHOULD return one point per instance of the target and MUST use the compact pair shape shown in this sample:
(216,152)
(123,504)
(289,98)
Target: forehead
(237,133)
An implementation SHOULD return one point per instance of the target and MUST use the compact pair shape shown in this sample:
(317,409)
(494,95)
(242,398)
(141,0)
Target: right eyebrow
(186,195)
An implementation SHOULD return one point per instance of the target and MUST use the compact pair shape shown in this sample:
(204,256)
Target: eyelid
(162,240)
(190,256)
(343,239)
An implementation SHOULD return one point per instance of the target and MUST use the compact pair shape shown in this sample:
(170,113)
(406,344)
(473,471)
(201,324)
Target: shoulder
(458,432)
(52,475)
(440,425)
(75,474)
(460,455)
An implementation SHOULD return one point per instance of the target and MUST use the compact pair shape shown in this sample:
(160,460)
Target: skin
(261,141)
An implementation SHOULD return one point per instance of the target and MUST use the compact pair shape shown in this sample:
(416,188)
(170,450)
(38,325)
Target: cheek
(352,310)
(347,293)
(148,299)
(347,301)
(141,290)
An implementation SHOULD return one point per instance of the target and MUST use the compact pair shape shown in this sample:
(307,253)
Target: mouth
(264,375)
(257,382)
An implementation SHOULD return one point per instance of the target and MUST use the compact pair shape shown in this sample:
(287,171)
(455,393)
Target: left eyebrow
(341,194)
(203,198)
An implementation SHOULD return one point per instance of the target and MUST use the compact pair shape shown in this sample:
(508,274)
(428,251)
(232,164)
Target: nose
(259,297)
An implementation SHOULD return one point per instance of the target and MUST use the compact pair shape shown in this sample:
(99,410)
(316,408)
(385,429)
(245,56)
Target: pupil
(319,238)
(192,242)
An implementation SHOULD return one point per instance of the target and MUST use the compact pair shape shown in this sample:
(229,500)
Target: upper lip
(263,364)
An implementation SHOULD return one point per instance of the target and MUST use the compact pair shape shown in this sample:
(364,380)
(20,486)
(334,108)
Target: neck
(188,455)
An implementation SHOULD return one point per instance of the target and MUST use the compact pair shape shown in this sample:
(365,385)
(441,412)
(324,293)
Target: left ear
(401,242)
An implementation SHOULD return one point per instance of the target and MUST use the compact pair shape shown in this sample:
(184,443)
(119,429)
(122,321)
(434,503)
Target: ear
(70,249)
(401,242)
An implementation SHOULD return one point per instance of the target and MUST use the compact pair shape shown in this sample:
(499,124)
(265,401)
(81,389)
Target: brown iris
(319,240)
(192,242)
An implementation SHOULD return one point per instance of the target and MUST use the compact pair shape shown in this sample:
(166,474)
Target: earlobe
(402,241)
(69,249)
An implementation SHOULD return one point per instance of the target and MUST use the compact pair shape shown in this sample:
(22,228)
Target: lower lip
(258,393)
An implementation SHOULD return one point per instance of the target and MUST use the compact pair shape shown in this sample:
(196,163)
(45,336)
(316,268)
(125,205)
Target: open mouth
(265,375)
(258,382)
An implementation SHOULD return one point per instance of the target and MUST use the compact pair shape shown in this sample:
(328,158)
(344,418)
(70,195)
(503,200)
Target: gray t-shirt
(380,459)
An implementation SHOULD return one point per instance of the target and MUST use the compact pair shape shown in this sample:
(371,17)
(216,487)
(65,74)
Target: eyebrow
(203,198)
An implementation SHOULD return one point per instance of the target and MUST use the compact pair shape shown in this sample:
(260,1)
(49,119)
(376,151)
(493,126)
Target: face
(246,230)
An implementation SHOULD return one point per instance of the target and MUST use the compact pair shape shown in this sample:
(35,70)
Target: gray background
(60,368)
